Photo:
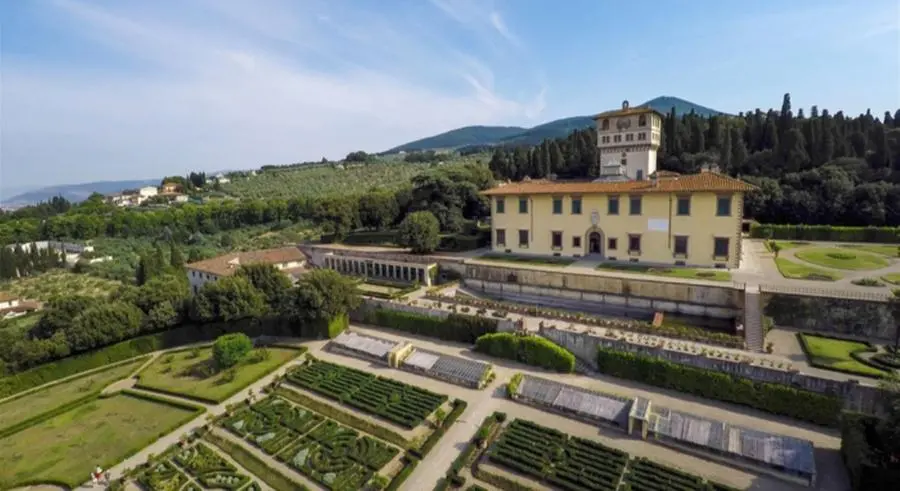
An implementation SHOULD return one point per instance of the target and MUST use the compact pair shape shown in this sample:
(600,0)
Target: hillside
(460,137)
(481,136)
(74,192)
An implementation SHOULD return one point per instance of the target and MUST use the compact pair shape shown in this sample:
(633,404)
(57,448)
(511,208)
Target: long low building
(290,260)
(788,456)
(574,401)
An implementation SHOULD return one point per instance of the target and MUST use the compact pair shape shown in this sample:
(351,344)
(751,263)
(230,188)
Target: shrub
(513,387)
(774,398)
(889,235)
(455,327)
(230,349)
(866,282)
(531,350)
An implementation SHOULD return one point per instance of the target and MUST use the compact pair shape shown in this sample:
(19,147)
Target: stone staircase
(753,325)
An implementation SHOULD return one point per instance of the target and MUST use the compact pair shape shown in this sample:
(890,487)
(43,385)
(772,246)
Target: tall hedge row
(890,235)
(531,350)
(455,327)
(179,336)
(773,398)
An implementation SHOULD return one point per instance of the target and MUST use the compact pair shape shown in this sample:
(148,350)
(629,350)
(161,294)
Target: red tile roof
(628,112)
(666,183)
(227,264)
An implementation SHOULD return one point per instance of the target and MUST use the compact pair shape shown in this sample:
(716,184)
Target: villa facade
(672,219)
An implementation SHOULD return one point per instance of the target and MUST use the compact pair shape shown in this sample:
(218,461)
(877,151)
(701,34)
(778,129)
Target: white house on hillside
(289,259)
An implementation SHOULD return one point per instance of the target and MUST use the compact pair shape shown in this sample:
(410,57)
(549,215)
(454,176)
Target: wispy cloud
(500,26)
(165,87)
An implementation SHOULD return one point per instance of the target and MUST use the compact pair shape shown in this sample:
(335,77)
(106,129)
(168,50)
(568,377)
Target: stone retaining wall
(584,345)
(615,301)
(868,319)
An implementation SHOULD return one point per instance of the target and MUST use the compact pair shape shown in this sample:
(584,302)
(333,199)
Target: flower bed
(395,401)
(678,332)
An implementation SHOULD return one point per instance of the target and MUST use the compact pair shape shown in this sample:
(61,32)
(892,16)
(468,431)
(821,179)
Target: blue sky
(124,89)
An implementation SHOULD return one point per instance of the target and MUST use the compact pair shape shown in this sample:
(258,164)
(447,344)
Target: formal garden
(832,262)
(208,376)
(101,431)
(524,259)
(848,356)
(530,452)
(399,403)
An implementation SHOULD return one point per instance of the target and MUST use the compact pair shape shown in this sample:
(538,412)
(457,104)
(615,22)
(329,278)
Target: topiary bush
(230,349)
(531,350)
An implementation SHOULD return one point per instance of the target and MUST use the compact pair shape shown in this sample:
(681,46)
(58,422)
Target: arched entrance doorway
(595,243)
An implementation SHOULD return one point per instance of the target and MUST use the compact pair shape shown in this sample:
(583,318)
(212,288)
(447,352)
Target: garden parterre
(575,464)
(395,401)
(553,457)
(193,467)
(334,455)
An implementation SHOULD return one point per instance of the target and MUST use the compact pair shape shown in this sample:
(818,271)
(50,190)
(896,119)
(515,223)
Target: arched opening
(595,243)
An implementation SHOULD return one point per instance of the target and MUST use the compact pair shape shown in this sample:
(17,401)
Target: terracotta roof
(227,264)
(628,112)
(705,181)
(24,306)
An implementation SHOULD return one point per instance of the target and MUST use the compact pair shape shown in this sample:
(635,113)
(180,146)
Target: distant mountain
(74,192)
(461,137)
(665,103)
(485,136)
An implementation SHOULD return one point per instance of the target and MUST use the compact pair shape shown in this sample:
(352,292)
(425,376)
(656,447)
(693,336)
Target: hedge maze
(555,458)
(394,401)
(576,464)
(336,456)
(204,465)
(644,475)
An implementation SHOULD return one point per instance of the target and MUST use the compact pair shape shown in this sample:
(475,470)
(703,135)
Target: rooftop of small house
(660,182)
(227,264)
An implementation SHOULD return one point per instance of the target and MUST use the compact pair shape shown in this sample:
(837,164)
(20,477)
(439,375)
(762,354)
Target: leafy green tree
(269,280)
(230,349)
(103,324)
(176,257)
(378,210)
(322,295)
(228,299)
(167,289)
(59,313)
(420,231)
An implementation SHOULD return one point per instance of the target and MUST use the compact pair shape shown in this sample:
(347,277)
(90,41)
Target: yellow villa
(686,220)
(631,212)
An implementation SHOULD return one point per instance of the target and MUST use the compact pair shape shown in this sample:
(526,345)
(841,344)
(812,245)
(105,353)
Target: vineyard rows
(395,401)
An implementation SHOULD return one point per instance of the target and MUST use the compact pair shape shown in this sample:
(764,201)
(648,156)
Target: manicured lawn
(102,432)
(537,260)
(840,258)
(798,271)
(673,272)
(368,287)
(36,403)
(835,354)
(892,278)
(182,372)
(885,250)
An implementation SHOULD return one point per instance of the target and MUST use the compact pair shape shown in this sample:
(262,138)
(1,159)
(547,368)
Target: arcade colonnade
(383,269)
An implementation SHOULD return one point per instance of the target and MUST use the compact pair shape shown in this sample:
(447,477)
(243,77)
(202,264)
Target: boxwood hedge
(530,349)
(455,327)
(780,399)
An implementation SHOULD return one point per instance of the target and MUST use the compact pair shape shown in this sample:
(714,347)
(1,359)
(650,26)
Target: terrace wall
(368,304)
(584,345)
(869,319)
(721,303)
